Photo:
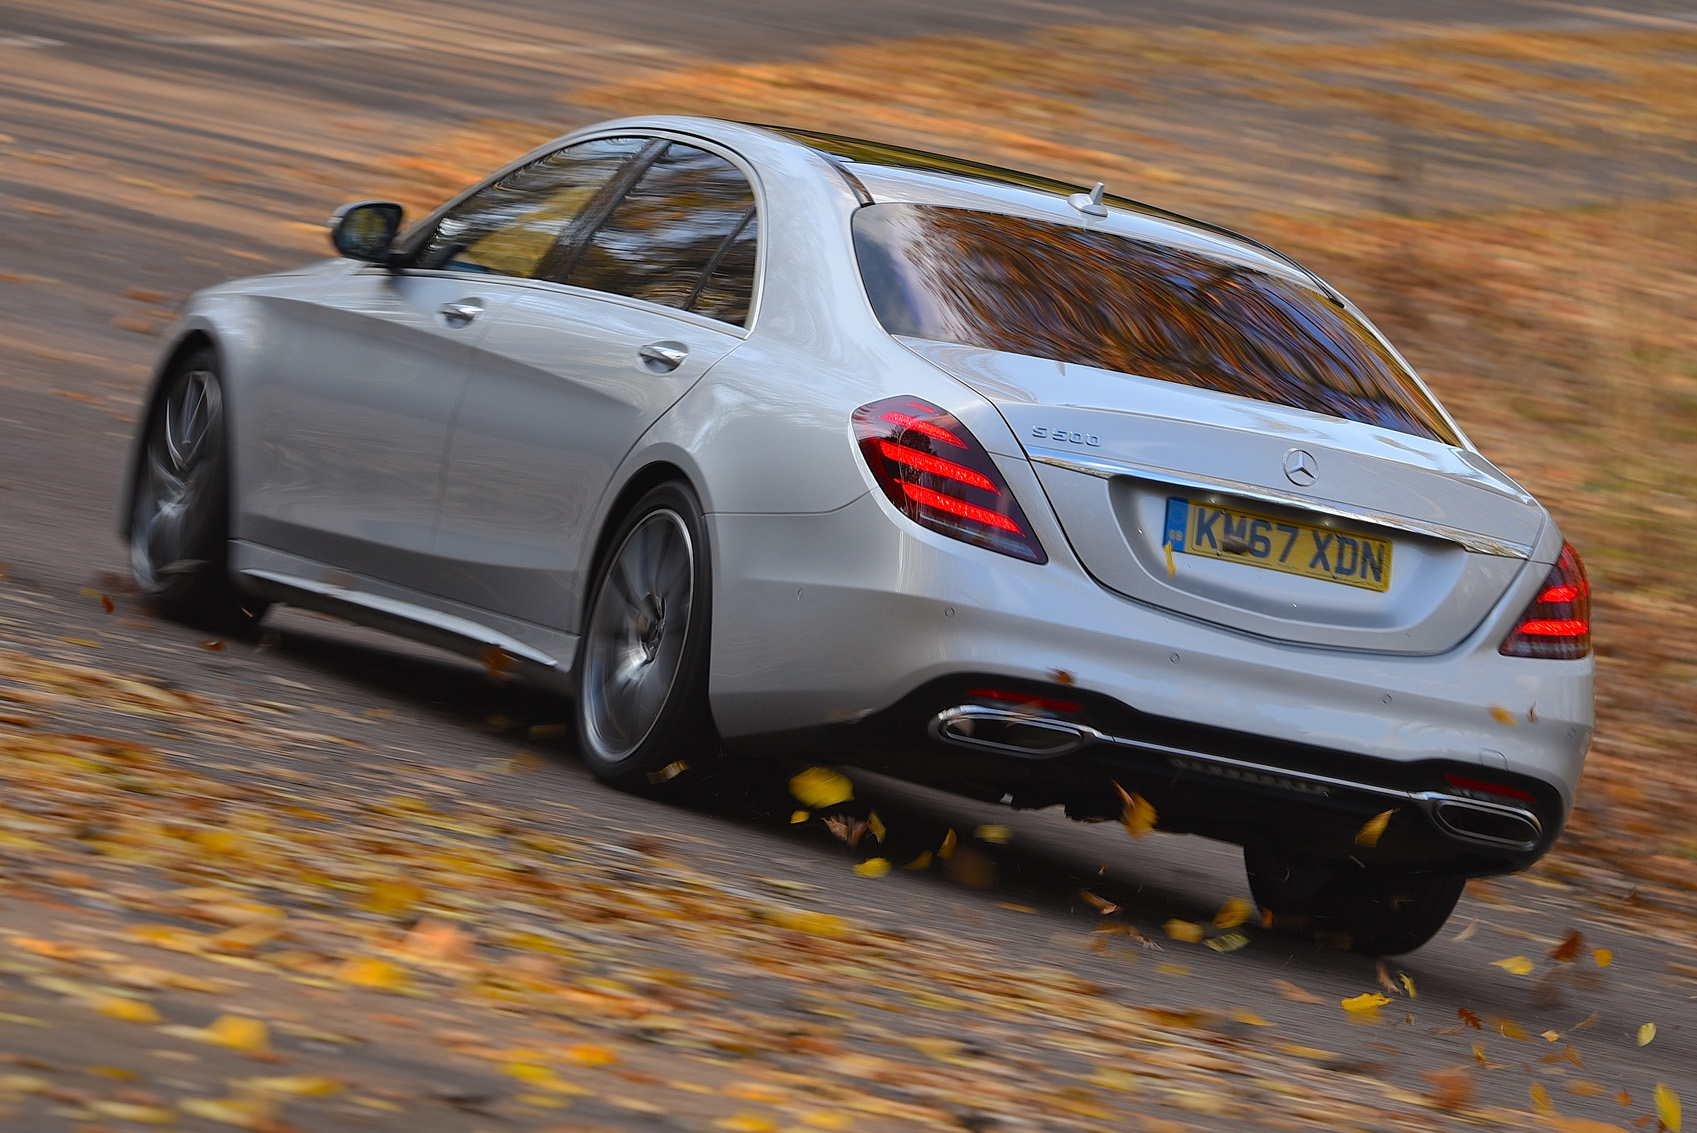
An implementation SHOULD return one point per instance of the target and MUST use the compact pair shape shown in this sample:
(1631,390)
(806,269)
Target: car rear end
(1216,545)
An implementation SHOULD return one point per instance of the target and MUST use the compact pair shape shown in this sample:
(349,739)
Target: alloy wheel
(634,642)
(170,499)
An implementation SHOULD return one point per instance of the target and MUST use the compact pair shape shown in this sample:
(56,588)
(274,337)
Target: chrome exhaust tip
(1010,732)
(1494,823)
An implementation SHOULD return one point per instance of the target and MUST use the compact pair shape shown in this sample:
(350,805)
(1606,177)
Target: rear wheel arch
(645,480)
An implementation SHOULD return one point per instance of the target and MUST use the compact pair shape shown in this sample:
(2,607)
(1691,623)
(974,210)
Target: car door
(571,374)
(356,416)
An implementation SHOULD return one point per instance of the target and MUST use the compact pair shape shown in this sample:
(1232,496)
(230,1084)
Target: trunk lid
(1180,498)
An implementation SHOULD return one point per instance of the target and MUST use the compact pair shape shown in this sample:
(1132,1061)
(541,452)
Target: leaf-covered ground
(275,914)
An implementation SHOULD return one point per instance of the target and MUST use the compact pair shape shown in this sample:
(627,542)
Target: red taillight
(1026,698)
(938,475)
(1557,623)
(1480,786)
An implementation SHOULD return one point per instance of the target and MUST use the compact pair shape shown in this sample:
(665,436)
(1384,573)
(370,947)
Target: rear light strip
(1025,698)
(962,495)
(1557,623)
(904,455)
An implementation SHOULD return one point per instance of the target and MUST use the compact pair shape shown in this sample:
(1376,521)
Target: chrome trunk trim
(1108,469)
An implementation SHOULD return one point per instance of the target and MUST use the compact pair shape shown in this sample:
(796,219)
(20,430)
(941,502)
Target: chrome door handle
(663,357)
(462,313)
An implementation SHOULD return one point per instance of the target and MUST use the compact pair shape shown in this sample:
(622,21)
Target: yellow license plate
(1226,533)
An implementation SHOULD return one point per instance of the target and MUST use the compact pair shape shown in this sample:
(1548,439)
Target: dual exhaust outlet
(1029,736)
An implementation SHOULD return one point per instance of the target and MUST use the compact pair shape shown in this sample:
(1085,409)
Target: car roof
(902,173)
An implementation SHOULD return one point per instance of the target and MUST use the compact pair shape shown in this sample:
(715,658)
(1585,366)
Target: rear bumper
(822,621)
(1237,788)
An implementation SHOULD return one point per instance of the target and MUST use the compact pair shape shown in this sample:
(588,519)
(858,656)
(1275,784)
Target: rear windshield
(1096,299)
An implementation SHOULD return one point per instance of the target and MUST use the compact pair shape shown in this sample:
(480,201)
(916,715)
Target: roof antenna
(1090,204)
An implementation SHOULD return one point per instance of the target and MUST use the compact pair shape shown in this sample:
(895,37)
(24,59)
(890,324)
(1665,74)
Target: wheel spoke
(636,633)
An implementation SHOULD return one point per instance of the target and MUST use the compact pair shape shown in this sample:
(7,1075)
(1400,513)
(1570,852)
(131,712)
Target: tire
(643,721)
(1382,912)
(180,510)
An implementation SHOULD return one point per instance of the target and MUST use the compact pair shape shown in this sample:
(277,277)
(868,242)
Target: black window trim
(718,257)
(641,164)
(417,236)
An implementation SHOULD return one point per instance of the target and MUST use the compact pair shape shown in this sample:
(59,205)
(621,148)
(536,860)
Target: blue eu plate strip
(1178,522)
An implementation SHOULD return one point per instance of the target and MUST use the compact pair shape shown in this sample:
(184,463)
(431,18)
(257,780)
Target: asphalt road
(151,148)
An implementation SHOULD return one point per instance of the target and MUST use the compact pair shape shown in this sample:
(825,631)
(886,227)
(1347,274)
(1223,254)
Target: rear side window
(514,226)
(685,236)
(1102,300)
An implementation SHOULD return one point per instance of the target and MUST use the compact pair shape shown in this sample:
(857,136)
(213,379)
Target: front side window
(685,236)
(1098,299)
(518,225)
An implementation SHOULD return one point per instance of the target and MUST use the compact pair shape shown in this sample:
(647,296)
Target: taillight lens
(938,475)
(1556,623)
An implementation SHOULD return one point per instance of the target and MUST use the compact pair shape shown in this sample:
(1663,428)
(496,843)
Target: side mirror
(365,229)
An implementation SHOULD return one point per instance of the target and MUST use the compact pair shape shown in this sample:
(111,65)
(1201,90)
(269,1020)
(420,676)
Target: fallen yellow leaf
(295,1085)
(1233,913)
(947,849)
(368,971)
(875,825)
(1187,931)
(1290,991)
(819,787)
(798,816)
(1509,1029)
(923,861)
(992,833)
(588,1054)
(805,921)
(1514,965)
(1138,815)
(1374,828)
(1408,984)
(1111,1079)
(746,1123)
(1646,1033)
(1541,1098)
(129,1111)
(239,1033)
(129,1010)
(873,867)
(389,898)
(1603,956)
(1367,1003)
(1249,1018)
(1667,1107)
(1230,942)
(243,1113)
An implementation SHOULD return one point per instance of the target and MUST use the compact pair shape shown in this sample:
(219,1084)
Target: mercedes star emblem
(1301,468)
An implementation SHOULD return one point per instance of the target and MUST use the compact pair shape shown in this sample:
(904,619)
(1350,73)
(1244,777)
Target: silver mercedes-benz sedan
(760,441)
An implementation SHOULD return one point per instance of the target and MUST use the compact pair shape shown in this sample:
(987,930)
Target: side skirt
(542,655)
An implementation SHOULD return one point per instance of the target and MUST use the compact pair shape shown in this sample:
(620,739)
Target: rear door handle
(663,357)
(462,313)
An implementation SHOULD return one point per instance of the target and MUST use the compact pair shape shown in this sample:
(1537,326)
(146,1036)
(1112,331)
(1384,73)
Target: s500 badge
(1070,436)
